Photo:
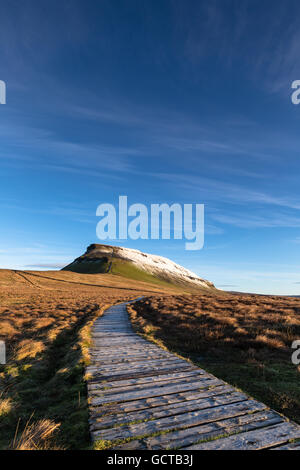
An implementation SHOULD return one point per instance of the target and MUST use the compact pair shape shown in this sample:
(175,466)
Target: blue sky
(162,101)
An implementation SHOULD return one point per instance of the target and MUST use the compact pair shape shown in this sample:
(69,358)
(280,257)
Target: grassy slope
(129,271)
(118,267)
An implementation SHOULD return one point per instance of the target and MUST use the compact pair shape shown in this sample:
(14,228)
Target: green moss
(128,270)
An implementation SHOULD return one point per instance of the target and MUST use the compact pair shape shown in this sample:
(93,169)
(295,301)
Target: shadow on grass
(50,386)
(263,371)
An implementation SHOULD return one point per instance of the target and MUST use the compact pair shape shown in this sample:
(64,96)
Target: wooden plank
(143,387)
(289,446)
(128,361)
(139,355)
(98,334)
(123,347)
(128,353)
(124,342)
(185,420)
(138,373)
(189,436)
(169,410)
(208,390)
(127,356)
(145,380)
(107,372)
(253,440)
(126,350)
(135,368)
(164,389)
(146,364)
(135,365)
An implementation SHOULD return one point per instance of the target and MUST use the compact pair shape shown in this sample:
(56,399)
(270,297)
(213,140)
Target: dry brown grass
(44,321)
(31,317)
(244,339)
(5,405)
(265,324)
(36,436)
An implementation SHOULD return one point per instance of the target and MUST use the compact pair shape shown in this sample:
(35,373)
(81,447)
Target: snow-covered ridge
(153,264)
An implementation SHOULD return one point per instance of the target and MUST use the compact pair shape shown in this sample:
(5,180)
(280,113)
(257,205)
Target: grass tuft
(36,436)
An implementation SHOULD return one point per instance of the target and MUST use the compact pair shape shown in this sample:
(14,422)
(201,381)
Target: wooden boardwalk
(150,399)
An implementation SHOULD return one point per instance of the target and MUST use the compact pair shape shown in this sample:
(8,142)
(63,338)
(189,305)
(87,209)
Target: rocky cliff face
(103,258)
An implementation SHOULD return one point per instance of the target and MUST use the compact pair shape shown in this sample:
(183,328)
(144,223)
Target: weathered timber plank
(169,410)
(139,373)
(185,420)
(164,389)
(126,361)
(135,365)
(212,387)
(186,437)
(145,380)
(253,440)
(143,387)
(289,446)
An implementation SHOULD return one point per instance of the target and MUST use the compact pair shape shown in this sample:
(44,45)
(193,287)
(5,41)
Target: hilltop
(134,264)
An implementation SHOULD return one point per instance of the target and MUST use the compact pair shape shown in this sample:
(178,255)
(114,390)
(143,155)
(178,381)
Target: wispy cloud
(69,211)
(222,191)
(226,285)
(247,220)
(46,265)
(245,34)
